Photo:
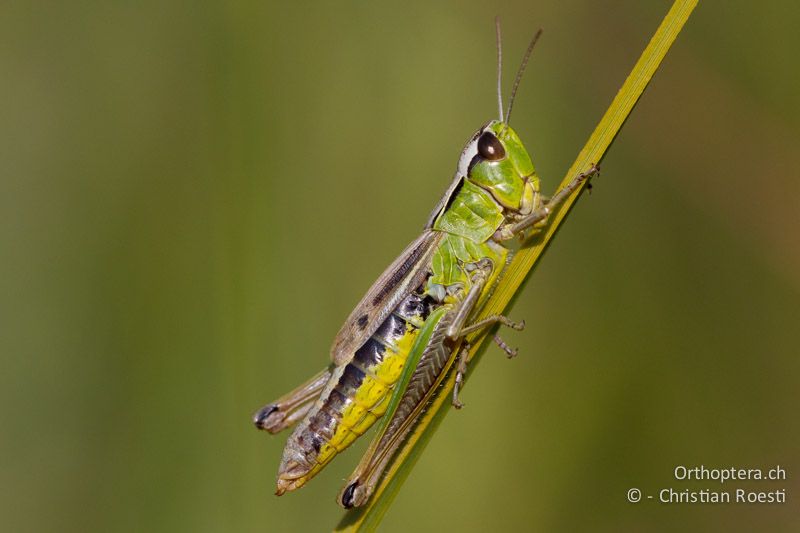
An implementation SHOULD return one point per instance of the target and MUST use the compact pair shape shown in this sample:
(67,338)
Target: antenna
(519,74)
(499,66)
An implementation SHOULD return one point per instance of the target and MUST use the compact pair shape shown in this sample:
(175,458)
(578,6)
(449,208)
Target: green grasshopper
(407,333)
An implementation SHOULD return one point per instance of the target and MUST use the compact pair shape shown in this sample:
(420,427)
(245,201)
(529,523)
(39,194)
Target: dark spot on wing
(362,321)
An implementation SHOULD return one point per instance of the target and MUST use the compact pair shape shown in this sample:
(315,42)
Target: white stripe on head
(467,154)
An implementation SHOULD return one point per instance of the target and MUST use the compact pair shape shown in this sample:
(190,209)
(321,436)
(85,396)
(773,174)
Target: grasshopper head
(501,165)
(494,157)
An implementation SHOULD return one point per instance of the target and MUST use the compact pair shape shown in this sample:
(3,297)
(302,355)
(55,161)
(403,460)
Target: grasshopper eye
(490,147)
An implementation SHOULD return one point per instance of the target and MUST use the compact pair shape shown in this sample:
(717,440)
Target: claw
(510,352)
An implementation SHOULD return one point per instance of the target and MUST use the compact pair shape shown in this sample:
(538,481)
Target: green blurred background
(194,195)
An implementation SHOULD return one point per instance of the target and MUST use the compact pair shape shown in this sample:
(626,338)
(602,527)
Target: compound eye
(490,147)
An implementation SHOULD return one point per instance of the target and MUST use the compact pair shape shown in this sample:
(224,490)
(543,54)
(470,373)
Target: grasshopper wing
(404,275)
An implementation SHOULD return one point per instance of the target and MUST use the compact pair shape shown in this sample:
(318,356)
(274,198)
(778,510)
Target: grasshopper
(408,332)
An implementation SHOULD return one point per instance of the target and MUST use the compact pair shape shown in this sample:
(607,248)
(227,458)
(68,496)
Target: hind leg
(290,408)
